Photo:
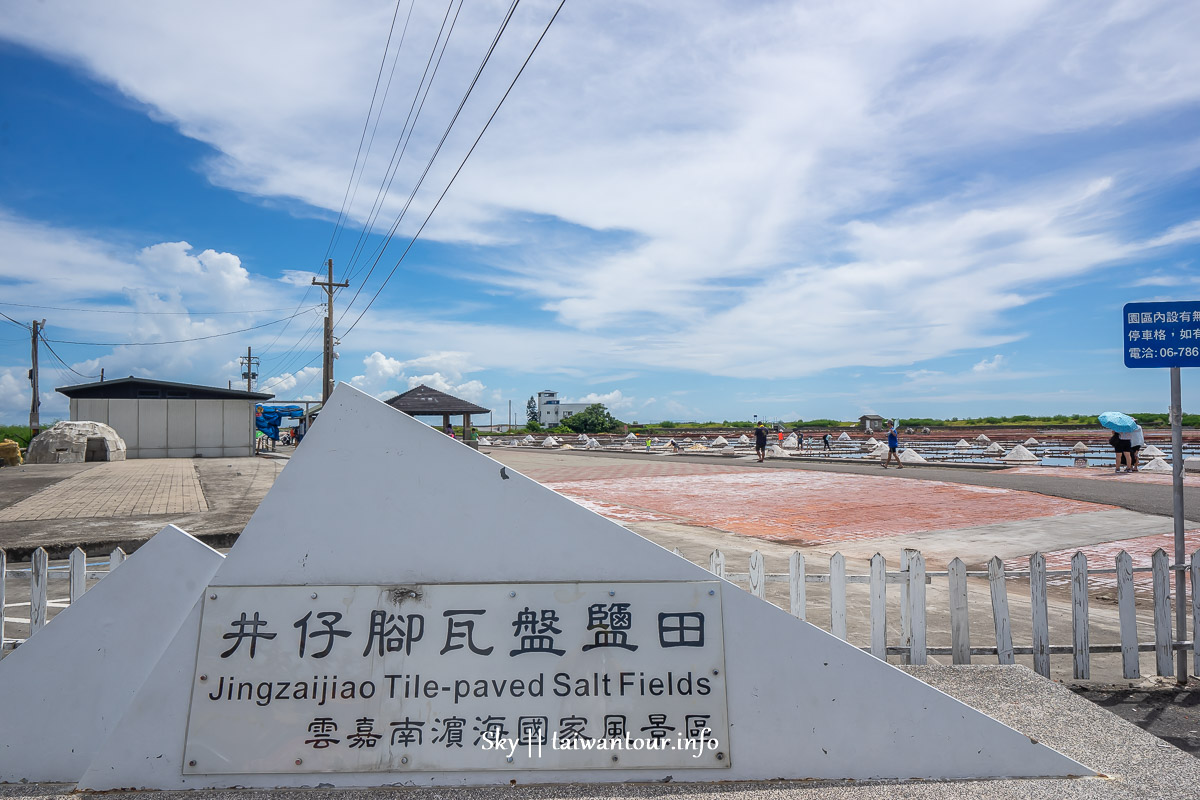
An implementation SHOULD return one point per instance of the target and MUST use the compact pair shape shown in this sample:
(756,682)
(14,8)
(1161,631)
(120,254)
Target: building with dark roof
(423,401)
(164,419)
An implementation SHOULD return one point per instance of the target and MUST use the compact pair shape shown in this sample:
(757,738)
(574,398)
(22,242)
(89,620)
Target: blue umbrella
(1116,421)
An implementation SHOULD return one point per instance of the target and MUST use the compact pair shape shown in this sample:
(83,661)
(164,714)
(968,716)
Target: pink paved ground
(806,508)
(1104,556)
(1102,474)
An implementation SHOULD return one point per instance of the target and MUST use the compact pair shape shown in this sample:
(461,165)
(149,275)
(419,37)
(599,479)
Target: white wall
(156,428)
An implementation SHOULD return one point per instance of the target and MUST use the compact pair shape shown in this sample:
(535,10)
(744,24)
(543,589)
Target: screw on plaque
(716,672)
(314,595)
(612,593)
(192,763)
(711,592)
(508,759)
(404,760)
(512,594)
(720,756)
(299,761)
(212,596)
(614,758)
(203,677)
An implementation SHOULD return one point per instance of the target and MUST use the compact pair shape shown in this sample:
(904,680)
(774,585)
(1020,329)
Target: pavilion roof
(422,401)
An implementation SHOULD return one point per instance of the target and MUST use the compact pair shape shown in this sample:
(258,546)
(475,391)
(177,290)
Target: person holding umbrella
(1119,423)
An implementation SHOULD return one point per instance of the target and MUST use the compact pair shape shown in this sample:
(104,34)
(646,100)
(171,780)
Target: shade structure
(424,401)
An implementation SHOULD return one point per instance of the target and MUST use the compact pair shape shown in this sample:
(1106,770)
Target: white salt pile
(792,441)
(485,441)
(845,437)
(995,449)
(550,441)
(1191,464)
(593,444)
(962,444)
(1151,450)
(528,439)
(910,456)
(1080,447)
(982,438)
(719,442)
(1031,441)
(776,451)
(582,438)
(743,439)
(1021,454)
(880,451)
(630,437)
(869,443)
(1156,465)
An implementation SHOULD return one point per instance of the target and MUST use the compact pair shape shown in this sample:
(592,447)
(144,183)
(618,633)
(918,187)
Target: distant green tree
(666,423)
(531,411)
(593,419)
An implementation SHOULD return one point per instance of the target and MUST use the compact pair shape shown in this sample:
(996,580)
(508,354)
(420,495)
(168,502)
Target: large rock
(76,442)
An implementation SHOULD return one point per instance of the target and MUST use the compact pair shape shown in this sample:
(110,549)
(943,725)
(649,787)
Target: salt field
(1073,449)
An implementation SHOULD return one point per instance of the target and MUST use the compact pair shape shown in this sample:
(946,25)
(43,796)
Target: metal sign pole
(1181,671)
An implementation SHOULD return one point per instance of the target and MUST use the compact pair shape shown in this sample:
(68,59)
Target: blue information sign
(1162,334)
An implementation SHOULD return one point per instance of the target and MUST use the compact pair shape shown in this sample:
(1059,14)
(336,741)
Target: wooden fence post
(1003,625)
(3,574)
(39,567)
(837,596)
(758,577)
(78,573)
(1127,611)
(1041,618)
(716,563)
(1163,651)
(916,606)
(1079,615)
(796,583)
(960,625)
(879,607)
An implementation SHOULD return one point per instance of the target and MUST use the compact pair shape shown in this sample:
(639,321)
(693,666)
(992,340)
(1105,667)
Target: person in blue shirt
(893,448)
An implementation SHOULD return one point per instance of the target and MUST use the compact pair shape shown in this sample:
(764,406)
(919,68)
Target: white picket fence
(40,574)
(912,579)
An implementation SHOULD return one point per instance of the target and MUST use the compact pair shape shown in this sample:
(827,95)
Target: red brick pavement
(808,508)
(1104,556)
(593,469)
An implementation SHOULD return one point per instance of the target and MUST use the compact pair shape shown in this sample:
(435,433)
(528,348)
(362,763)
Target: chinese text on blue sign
(1162,334)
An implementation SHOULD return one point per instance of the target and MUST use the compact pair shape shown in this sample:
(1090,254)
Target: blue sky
(686,211)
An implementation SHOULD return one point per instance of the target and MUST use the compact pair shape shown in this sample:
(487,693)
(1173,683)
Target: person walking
(1137,440)
(893,448)
(760,442)
(827,439)
(1120,446)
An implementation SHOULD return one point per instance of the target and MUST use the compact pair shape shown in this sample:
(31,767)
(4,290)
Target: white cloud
(767,179)
(613,401)
(448,369)
(992,364)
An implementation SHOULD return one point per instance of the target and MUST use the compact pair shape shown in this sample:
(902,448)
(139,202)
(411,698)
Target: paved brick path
(119,489)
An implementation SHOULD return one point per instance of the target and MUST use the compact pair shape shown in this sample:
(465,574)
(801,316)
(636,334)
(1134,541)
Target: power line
(495,111)
(179,341)
(344,211)
(21,325)
(429,164)
(402,141)
(281,379)
(126,311)
(61,361)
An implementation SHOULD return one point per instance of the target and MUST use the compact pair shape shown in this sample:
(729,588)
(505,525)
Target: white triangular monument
(68,684)
(352,521)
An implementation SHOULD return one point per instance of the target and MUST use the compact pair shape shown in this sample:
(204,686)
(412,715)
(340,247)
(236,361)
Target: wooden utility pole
(250,373)
(327,360)
(35,426)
